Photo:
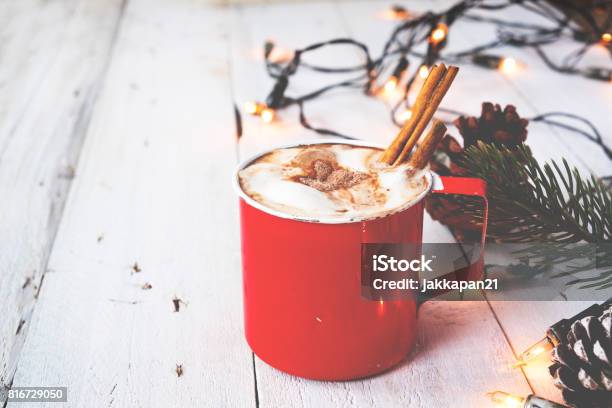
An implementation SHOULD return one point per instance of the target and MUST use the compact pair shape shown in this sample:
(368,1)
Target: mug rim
(314,219)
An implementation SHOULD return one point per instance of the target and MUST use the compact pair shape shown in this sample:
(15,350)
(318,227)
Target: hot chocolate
(331,181)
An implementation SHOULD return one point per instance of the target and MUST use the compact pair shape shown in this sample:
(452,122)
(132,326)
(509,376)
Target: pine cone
(582,366)
(501,127)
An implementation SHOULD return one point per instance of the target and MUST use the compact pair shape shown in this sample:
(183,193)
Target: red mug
(303,309)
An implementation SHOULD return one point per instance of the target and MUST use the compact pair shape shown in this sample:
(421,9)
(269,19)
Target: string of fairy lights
(418,42)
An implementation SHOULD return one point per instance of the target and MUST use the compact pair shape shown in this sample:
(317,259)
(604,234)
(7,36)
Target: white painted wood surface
(152,187)
(53,59)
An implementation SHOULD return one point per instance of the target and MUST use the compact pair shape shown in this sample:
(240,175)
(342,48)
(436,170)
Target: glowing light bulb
(280,55)
(397,12)
(534,351)
(405,115)
(252,108)
(438,34)
(424,71)
(267,115)
(391,84)
(508,65)
(260,109)
(606,38)
(506,400)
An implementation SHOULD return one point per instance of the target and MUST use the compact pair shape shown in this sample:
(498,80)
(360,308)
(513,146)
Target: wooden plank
(54,58)
(535,89)
(153,189)
(427,379)
(344,110)
(538,90)
(545,90)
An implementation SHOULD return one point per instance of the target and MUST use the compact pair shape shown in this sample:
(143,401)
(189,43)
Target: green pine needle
(552,203)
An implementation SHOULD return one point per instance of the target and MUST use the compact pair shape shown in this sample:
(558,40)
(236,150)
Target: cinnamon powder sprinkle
(328,178)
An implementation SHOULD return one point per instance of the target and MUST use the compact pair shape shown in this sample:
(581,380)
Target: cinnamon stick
(425,94)
(430,110)
(426,149)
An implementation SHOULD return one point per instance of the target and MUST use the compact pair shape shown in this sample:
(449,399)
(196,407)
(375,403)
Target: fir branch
(552,203)
(540,203)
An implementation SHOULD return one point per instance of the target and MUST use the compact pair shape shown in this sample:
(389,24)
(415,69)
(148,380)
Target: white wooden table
(117,142)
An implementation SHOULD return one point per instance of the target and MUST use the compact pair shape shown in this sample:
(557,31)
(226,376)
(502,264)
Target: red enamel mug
(303,309)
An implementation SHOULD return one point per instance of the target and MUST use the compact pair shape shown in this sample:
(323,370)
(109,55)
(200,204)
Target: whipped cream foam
(331,182)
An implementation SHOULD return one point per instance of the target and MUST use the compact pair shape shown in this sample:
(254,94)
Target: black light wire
(416,31)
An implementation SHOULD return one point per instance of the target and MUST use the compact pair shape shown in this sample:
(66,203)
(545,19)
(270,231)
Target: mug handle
(467,186)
